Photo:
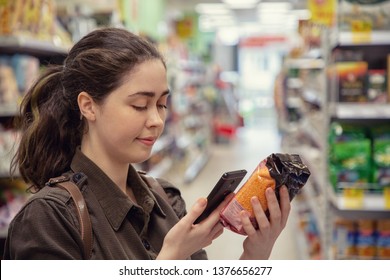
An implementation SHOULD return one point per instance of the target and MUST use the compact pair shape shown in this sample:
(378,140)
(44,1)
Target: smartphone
(225,185)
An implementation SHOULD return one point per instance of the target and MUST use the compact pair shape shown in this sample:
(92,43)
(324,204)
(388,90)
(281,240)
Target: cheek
(122,123)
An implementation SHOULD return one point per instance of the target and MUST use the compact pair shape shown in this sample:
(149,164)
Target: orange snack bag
(274,171)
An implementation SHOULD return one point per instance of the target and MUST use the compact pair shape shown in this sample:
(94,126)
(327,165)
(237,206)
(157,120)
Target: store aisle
(251,145)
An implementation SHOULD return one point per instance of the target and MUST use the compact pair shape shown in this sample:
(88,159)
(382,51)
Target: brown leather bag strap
(82,213)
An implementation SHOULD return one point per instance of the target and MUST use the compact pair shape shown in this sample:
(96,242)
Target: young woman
(91,119)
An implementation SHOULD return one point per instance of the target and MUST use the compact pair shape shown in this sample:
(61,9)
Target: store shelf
(300,238)
(162,143)
(161,168)
(315,202)
(8,110)
(367,38)
(196,166)
(30,46)
(305,63)
(359,111)
(370,205)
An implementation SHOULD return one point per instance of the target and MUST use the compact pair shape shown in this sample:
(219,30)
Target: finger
(273,206)
(195,211)
(214,217)
(260,216)
(285,205)
(246,223)
(217,231)
(226,201)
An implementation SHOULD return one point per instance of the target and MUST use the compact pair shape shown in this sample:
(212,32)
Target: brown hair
(50,116)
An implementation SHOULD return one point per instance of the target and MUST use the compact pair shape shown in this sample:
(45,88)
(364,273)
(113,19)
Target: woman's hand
(259,243)
(186,238)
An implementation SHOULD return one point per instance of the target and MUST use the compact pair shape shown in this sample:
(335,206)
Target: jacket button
(146,244)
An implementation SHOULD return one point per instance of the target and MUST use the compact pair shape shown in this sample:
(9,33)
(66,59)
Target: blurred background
(248,79)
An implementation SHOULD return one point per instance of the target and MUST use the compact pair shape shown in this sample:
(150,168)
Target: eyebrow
(148,93)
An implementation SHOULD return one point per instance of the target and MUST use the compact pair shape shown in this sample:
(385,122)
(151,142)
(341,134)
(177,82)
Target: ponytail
(50,130)
(51,125)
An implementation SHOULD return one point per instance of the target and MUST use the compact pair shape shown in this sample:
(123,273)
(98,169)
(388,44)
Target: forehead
(148,76)
(147,69)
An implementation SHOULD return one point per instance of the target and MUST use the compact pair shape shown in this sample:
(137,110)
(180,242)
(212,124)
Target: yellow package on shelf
(386,197)
(353,198)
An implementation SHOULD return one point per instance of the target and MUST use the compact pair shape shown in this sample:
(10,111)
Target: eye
(162,102)
(162,106)
(140,108)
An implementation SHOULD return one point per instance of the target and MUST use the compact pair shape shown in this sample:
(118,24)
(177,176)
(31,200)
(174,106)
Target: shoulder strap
(82,211)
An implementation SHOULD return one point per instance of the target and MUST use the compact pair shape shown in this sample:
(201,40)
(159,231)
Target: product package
(381,156)
(274,171)
(377,86)
(350,150)
(351,77)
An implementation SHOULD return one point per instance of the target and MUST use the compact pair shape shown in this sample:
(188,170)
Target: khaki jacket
(47,226)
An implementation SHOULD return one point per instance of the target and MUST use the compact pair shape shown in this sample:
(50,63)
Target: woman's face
(131,118)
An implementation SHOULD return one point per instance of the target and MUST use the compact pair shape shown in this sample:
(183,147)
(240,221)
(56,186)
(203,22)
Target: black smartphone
(225,185)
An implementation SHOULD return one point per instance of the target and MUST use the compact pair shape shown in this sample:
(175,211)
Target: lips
(148,141)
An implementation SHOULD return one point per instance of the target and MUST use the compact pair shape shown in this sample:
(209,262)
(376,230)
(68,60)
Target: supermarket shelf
(162,143)
(161,168)
(370,38)
(300,238)
(311,128)
(18,44)
(359,111)
(371,205)
(8,110)
(315,204)
(196,166)
(305,63)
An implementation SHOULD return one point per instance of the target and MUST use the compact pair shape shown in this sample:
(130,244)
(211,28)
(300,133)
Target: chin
(140,159)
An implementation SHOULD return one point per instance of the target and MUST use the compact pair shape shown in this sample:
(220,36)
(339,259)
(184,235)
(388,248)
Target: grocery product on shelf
(364,15)
(361,238)
(12,197)
(377,86)
(352,171)
(17,73)
(351,80)
(29,39)
(381,155)
(383,239)
(349,155)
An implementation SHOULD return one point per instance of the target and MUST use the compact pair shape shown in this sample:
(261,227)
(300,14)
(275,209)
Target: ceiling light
(302,14)
(241,4)
(213,8)
(271,7)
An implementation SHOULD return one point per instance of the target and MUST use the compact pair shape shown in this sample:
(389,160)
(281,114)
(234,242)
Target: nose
(156,118)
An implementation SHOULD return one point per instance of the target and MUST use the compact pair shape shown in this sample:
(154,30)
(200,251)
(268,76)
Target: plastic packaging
(274,171)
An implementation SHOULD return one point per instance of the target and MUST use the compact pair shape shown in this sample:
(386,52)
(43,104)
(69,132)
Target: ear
(87,106)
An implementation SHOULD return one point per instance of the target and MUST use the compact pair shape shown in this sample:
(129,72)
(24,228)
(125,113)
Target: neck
(116,171)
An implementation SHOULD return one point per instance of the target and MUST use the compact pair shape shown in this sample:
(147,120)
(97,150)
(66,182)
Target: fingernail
(269,190)
(255,200)
(244,214)
(202,202)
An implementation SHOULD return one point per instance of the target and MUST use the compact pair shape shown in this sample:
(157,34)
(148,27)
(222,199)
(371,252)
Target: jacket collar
(113,201)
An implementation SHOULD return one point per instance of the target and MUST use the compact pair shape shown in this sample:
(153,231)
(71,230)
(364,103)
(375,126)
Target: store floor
(251,144)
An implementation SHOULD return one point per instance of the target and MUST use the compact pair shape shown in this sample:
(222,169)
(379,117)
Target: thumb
(196,210)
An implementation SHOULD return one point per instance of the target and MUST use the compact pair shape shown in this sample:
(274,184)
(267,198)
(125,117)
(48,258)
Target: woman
(91,119)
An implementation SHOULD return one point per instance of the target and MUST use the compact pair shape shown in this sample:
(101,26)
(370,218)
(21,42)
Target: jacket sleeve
(179,206)
(45,229)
